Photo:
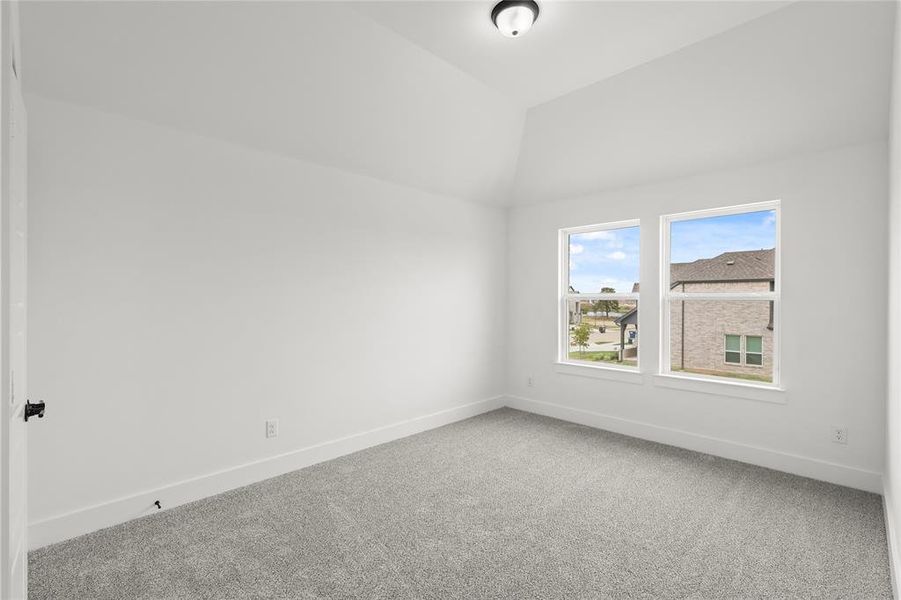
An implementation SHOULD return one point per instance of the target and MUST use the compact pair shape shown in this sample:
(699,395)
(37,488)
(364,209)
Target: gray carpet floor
(504,505)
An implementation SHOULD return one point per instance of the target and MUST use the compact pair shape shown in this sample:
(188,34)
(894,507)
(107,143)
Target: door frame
(13,440)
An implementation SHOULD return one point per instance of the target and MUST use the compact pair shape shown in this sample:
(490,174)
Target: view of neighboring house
(719,337)
(732,338)
(575,308)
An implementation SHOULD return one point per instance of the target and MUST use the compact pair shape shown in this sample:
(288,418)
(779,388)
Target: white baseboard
(61,527)
(120,510)
(891,537)
(861,479)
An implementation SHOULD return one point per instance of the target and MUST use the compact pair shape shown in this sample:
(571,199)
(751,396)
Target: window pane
(733,343)
(729,253)
(698,329)
(575,310)
(606,334)
(754,359)
(754,343)
(604,261)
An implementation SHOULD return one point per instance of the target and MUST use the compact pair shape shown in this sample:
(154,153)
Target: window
(754,350)
(599,295)
(753,354)
(733,349)
(720,289)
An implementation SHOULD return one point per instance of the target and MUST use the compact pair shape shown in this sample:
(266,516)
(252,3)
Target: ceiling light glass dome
(513,18)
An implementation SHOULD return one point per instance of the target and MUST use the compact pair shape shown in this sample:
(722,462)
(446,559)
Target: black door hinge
(34,410)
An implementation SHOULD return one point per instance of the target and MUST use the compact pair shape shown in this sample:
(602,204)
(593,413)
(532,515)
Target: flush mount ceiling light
(513,18)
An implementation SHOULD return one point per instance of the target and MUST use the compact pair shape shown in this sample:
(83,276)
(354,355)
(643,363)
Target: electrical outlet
(272,428)
(839,435)
(531,381)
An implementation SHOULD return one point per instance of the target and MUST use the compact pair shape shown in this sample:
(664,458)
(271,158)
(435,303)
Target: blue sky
(706,238)
(604,259)
(610,258)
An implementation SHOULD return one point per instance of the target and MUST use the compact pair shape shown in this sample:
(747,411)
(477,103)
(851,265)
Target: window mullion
(617,296)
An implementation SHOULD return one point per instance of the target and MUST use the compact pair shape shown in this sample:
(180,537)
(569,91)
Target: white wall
(893,400)
(834,243)
(185,289)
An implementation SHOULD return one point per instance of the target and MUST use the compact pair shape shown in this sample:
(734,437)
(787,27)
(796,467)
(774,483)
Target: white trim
(612,373)
(601,226)
(735,388)
(735,209)
(91,518)
(666,295)
(664,353)
(610,296)
(804,466)
(894,556)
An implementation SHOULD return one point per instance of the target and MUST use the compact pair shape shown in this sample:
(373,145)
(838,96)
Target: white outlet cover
(272,428)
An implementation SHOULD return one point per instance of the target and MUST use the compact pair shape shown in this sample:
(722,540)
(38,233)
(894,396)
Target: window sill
(620,374)
(735,389)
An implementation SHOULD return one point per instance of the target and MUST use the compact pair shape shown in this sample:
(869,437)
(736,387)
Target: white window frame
(667,296)
(564,296)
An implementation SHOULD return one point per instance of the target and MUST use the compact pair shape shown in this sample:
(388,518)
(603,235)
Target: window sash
(733,354)
(616,296)
(668,295)
(566,296)
(748,345)
(665,240)
(759,356)
(566,232)
(565,334)
(665,348)
(736,338)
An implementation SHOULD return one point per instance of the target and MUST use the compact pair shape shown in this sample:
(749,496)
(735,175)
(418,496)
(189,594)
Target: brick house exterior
(699,329)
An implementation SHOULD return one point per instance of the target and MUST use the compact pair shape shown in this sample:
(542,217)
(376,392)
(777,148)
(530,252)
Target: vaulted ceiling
(812,76)
(575,44)
(427,94)
(317,81)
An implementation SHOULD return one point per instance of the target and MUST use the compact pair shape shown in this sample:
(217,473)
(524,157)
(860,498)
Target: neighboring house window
(754,350)
(598,296)
(733,349)
(721,291)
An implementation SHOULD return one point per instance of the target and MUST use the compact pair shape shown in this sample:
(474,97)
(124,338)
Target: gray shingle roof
(748,265)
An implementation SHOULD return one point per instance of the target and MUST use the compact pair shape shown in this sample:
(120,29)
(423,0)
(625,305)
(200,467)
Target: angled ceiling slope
(429,95)
(317,81)
(810,77)
(573,44)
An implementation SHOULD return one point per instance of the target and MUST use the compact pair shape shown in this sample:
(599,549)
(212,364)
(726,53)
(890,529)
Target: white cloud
(617,255)
(597,235)
(576,249)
